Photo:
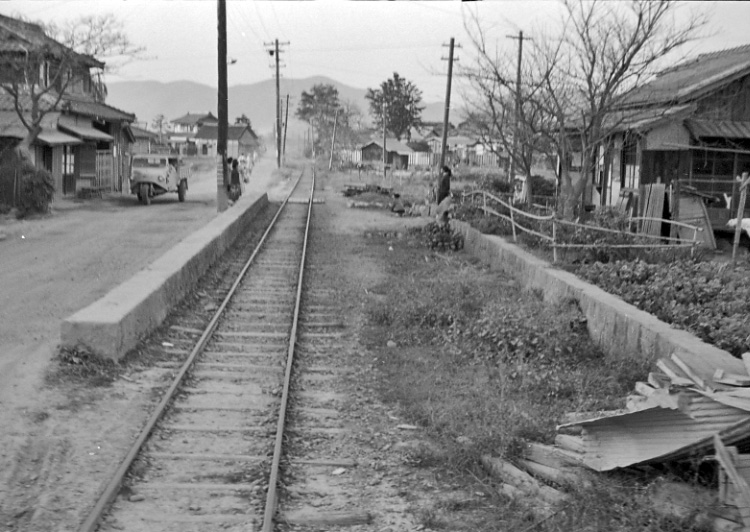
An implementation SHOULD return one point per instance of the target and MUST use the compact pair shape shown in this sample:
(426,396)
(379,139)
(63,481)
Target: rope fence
(555,240)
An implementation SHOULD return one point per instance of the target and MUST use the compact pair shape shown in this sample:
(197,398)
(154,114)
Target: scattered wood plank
(316,517)
(551,474)
(658,380)
(687,370)
(746,361)
(671,372)
(570,443)
(551,456)
(740,484)
(644,389)
(511,474)
(730,379)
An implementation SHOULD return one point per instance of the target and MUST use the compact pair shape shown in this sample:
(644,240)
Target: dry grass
(483,367)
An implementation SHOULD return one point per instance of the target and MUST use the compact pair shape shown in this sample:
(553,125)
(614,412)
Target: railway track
(209,456)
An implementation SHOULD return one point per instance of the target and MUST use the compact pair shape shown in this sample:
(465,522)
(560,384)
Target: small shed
(398,153)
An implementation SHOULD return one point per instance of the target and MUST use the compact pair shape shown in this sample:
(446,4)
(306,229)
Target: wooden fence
(105,165)
(556,243)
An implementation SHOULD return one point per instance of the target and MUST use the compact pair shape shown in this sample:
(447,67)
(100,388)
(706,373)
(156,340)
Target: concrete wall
(620,329)
(114,324)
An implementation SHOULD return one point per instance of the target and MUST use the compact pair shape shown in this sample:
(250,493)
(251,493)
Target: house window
(631,171)
(69,160)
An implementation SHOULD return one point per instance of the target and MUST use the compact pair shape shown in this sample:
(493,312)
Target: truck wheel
(181,191)
(145,198)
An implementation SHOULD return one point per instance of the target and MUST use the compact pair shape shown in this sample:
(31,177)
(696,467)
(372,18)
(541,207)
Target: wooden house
(184,128)
(241,140)
(83,142)
(397,153)
(144,141)
(690,123)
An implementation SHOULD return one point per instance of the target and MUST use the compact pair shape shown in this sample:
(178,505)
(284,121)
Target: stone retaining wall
(620,329)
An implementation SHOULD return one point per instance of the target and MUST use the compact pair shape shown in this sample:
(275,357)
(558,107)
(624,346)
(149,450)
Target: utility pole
(517,113)
(275,52)
(446,115)
(222,202)
(286,123)
(333,139)
(385,151)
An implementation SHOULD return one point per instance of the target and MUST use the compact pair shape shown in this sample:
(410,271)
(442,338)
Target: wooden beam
(743,490)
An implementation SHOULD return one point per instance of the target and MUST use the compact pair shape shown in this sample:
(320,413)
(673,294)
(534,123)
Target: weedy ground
(483,366)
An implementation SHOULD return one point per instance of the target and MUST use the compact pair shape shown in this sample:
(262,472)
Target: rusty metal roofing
(659,433)
(719,128)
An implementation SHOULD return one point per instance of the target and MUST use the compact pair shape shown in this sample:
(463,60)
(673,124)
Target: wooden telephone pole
(517,113)
(222,202)
(385,150)
(446,115)
(286,123)
(276,52)
(333,139)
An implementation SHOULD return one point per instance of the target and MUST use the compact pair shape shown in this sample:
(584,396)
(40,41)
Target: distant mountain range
(148,99)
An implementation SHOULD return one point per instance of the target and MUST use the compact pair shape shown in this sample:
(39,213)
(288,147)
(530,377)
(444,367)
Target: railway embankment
(114,324)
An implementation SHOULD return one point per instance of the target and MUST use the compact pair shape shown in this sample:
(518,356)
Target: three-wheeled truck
(154,174)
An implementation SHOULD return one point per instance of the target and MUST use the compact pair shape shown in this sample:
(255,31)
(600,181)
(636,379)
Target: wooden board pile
(687,409)
(682,412)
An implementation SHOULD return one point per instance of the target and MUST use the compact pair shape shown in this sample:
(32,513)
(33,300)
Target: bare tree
(491,104)
(159,124)
(577,77)
(39,71)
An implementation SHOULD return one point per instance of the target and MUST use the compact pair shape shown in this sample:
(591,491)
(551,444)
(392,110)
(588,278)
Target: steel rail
(271,497)
(113,486)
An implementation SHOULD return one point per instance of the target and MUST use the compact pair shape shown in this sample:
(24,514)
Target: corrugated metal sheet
(719,128)
(657,433)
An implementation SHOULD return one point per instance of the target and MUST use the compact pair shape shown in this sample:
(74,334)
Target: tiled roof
(82,107)
(211,132)
(193,119)
(140,133)
(391,145)
(96,110)
(691,79)
(19,36)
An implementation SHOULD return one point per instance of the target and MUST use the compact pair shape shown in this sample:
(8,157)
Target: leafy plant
(711,302)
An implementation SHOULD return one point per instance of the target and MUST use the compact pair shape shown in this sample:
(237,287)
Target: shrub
(37,191)
(36,187)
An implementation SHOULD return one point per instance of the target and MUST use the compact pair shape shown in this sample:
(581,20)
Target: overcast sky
(357,43)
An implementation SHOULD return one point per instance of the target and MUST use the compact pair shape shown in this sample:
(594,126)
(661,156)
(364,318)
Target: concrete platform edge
(618,328)
(113,325)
